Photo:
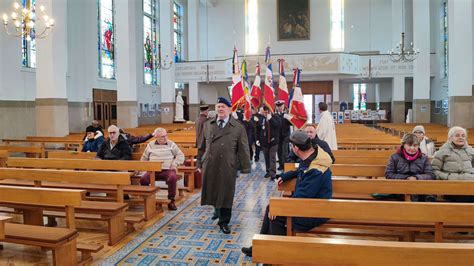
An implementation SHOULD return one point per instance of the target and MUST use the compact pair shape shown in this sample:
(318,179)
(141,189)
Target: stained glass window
(178,31)
(337,25)
(444,38)
(360,96)
(28,44)
(106,39)
(356,96)
(149,42)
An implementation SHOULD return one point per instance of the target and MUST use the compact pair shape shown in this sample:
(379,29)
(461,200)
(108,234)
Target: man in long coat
(224,139)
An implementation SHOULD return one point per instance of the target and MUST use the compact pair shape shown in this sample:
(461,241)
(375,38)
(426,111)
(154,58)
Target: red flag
(256,93)
(283,94)
(238,93)
(298,116)
(268,91)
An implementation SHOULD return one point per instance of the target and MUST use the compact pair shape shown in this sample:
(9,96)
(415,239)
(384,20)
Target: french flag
(268,91)
(256,92)
(283,94)
(298,116)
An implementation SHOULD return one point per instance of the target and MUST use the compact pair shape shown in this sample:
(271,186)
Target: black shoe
(267,175)
(247,251)
(225,228)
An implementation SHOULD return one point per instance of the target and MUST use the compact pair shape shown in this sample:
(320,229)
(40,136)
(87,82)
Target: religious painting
(293,20)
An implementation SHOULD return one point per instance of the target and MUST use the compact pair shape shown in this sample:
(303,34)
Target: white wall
(346,92)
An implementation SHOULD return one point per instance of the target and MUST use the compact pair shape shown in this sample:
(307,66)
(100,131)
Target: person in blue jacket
(313,181)
(92,141)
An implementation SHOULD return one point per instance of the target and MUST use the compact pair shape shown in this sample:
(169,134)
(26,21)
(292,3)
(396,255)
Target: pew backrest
(71,155)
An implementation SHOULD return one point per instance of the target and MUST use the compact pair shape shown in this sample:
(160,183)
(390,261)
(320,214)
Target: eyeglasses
(113,132)
(162,137)
(418,132)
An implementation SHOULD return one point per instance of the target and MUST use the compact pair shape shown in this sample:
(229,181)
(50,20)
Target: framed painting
(293,20)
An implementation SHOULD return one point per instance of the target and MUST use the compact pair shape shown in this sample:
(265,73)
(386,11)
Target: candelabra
(27,23)
(403,54)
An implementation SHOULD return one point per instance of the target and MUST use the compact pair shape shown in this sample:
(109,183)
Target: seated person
(94,127)
(453,161)
(115,147)
(410,163)
(132,140)
(313,181)
(426,145)
(310,129)
(167,152)
(93,141)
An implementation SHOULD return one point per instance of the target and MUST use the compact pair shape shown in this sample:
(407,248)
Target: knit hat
(91,129)
(419,128)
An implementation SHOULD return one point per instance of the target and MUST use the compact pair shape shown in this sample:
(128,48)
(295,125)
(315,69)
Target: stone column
(193,30)
(335,95)
(128,38)
(460,111)
(52,117)
(193,100)
(421,65)
(398,99)
(167,76)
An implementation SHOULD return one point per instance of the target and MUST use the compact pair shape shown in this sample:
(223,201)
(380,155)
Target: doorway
(105,107)
(311,102)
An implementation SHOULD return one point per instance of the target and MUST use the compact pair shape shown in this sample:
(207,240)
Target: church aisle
(190,237)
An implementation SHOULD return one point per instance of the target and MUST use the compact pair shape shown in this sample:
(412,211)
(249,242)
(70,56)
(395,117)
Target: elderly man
(224,139)
(168,153)
(115,147)
(326,129)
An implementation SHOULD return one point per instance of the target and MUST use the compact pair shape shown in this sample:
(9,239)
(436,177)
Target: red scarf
(409,157)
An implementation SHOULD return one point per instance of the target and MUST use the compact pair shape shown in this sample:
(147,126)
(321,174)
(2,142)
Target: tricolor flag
(298,116)
(283,94)
(246,105)
(268,91)
(256,93)
(238,93)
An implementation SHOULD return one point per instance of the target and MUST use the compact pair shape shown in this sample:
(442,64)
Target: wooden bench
(69,144)
(398,216)
(111,212)
(350,170)
(369,153)
(148,194)
(62,241)
(3,158)
(3,220)
(70,155)
(286,250)
(29,151)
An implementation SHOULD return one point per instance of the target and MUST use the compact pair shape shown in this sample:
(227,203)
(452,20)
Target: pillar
(421,65)
(335,95)
(52,116)
(460,64)
(398,99)
(194,102)
(128,39)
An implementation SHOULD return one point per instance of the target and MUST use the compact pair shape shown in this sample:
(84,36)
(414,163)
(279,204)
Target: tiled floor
(190,237)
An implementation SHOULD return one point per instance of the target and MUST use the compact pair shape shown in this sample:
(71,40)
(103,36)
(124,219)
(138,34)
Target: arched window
(178,31)
(106,39)
(149,42)
(28,44)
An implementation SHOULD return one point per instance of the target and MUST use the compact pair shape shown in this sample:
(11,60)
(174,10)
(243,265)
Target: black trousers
(283,145)
(273,227)
(224,215)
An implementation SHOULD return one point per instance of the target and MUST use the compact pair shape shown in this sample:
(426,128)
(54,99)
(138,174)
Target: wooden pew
(430,216)
(147,193)
(352,170)
(62,241)
(3,158)
(286,250)
(43,141)
(3,220)
(34,151)
(111,212)
(70,155)
(362,160)
(369,153)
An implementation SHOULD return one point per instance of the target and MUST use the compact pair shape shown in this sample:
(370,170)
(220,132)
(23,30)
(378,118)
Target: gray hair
(113,127)
(452,131)
(159,130)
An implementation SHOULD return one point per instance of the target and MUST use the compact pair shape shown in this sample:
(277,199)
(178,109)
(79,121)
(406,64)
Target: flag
(246,105)
(238,93)
(298,116)
(282,86)
(256,93)
(268,91)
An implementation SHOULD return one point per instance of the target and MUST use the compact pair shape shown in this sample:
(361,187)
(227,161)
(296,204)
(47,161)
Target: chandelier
(401,53)
(26,22)
(165,63)
(369,72)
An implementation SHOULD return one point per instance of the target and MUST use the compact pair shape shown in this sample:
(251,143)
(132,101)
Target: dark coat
(284,128)
(93,145)
(269,130)
(314,180)
(400,168)
(199,127)
(217,157)
(131,140)
(121,150)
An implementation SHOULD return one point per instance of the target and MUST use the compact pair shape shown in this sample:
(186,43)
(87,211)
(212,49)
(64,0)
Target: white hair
(113,127)
(452,131)
(159,130)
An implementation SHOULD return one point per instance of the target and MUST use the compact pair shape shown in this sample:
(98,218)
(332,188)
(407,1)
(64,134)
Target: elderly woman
(454,160)
(410,163)
(426,145)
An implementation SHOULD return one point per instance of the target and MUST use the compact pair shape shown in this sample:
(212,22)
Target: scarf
(409,157)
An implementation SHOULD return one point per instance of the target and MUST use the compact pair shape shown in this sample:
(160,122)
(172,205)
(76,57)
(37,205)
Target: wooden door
(105,107)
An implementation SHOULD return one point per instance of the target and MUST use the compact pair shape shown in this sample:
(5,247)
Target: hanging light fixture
(368,72)
(401,53)
(27,22)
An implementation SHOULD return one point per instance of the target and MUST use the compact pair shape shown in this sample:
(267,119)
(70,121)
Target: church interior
(221,132)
